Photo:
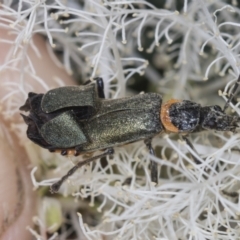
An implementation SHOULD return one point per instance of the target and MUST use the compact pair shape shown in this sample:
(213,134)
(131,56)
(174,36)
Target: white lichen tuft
(187,51)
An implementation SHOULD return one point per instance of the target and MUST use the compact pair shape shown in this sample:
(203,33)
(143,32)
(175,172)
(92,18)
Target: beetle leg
(127,181)
(55,187)
(232,94)
(153,164)
(231,194)
(77,152)
(100,86)
(64,152)
(193,148)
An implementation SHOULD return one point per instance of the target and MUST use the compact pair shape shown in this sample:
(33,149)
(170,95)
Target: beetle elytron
(78,119)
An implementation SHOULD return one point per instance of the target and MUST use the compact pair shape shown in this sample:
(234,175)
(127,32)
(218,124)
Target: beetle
(78,119)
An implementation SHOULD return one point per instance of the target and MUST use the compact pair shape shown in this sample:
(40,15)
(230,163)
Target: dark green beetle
(75,118)
(79,119)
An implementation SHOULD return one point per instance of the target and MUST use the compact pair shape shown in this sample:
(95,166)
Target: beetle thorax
(180,116)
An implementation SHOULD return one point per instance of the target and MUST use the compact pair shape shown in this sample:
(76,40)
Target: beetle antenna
(232,94)
(153,164)
(55,187)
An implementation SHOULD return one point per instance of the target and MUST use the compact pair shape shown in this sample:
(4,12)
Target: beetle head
(213,118)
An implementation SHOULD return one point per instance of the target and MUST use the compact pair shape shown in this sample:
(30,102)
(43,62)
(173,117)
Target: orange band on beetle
(165,118)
